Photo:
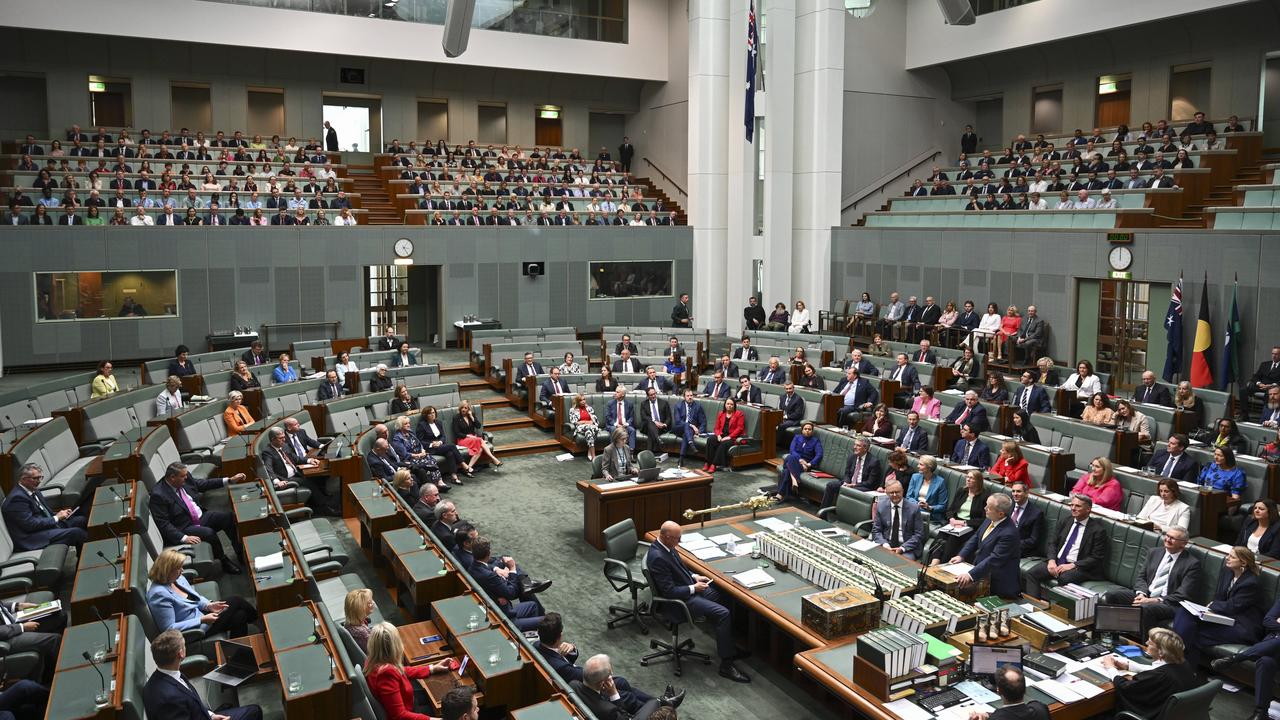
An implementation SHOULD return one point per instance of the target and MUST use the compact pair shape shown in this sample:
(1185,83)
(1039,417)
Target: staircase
(652,191)
(379,210)
(1220,195)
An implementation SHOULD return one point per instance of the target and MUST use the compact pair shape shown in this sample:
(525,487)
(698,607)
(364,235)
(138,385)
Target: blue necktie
(1071,541)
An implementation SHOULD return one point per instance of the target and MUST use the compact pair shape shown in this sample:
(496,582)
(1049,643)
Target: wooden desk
(421,574)
(502,681)
(91,637)
(377,512)
(647,504)
(557,708)
(275,589)
(302,646)
(255,508)
(261,653)
(114,510)
(71,696)
(452,616)
(417,652)
(94,578)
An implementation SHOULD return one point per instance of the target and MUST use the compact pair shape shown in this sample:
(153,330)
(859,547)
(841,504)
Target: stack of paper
(775,524)
(710,552)
(864,544)
(1204,613)
(960,568)
(753,578)
(262,563)
(1058,690)
(1048,622)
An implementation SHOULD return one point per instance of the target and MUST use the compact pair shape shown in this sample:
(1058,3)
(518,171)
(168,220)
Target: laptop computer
(241,664)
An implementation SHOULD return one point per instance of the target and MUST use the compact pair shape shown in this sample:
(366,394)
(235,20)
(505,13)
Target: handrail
(883,182)
(666,177)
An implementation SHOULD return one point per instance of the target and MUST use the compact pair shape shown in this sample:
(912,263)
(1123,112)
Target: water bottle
(796,523)
(732,546)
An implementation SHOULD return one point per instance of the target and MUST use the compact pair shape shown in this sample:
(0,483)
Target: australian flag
(1173,331)
(749,112)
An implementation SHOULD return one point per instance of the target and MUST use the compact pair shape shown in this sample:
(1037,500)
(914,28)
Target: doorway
(1114,325)
(547,129)
(1271,101)
(1113,101)
(357,120)
(387,298)
(989,123)
(110,102)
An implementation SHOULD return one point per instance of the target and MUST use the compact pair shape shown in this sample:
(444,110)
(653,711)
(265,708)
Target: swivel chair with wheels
(672,613)
(620,545)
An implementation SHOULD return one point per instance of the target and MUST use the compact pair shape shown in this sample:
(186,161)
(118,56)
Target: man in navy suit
(863,366)
(551,387)
(1173,462)
(618,413)
(181,520)
(913,438)
(563,658)
(624,364)
(1031,397)
(773,373)
(970,411)
(1266,654)
(925,354)
(747,393)
(905,373)
(970,450)
(331,388)
(502,583)
(792,407)
(861,472)
(859,397)
(655,418)
(651,380)
(898,525)
(716,387)
(169,695)
(1029,519)
(528,368)
(32,523)
(745,351)
(993,550)
(1152,392)
(688,420)
(671,579)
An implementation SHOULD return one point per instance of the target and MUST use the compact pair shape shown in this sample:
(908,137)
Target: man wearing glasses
(1168,577)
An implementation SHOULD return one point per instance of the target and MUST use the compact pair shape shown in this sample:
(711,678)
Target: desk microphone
(99,700)
(119,545)
(133,416)
(880,594)
(342,439)
(114,567)
(110,634)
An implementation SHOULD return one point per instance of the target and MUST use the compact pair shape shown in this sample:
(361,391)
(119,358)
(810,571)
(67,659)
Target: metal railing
(879,185)
(666,177)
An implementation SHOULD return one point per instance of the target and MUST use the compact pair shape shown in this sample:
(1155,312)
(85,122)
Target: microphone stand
(114,583)
(102,698)
(110,634)
(879,592)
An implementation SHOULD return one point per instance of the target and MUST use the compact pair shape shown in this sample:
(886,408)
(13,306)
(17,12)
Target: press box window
(123,295)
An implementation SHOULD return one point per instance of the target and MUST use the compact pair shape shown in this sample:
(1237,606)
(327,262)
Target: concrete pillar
(779,138)
(819,103)
(708,165)
(740,186)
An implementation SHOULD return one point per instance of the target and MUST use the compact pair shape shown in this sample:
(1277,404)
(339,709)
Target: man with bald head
(671,579)
(1151,392)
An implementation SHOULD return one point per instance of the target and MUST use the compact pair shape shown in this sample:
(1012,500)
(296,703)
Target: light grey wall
(659,129)
(1029,267)
(241,276)
(1233,40)
(67,59)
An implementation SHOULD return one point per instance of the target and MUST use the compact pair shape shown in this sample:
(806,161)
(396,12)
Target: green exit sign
(97,87)
(1118,275)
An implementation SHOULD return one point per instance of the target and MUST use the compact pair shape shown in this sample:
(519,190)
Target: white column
(819,103)
(708,161)
(740,195)
(779,138)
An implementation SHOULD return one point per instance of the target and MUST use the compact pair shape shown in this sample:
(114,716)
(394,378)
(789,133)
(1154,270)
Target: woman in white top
(344,218)
(570,366)
(170,399)
(345,365)
(1164,509)
(987,327)
(1064,201)
(799,319)
(1083,381)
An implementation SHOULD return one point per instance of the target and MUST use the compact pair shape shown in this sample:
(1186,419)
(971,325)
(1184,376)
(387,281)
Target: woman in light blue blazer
(176,605)
(283,372)
(929,489)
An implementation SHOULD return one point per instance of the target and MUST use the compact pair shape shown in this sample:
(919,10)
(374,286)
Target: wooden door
(547,131)
(108,109)
(1113,109)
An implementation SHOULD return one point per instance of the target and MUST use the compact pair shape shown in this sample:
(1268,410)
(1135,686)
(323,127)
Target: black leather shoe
(230,567)
(672,698)
(537,586)
(734,674)
(1223,663)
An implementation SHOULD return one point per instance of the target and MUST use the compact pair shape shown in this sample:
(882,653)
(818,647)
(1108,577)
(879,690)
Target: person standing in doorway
(330,137)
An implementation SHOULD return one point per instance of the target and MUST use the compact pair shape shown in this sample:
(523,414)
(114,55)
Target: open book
(1204,613)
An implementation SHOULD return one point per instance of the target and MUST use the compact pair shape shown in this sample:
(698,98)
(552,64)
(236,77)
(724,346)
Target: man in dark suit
(863,365)
(625,363)
(747,393)
(285,459)
(563,658)
(651,380)
(1266,655)
(425,507)
(1265,377)
(383,461)
(528,368)
(671,579)
(626,344)
(716,387)
(41,637)
(897,524)
(32,524)
(502,583)
(688,420)
(992,549)
(1029,519)
(752,314)
(389,341)
(680,317)
(655,419)
(626,151)
(1078,551)
(255,355)
(970,411)
(1031,397)
(905,373)
(446,520)
(1172,461)
(551,387)
(859,397)
(1151,392)
(181,520)
(929,316)
(861,472)
(925,354)
(1164,580)
(969,450)
(745,351)
(619,414)
(169,695)
(772,373)
(792,407)
(726,366)
(332,387)
(1029,340)
(913,438)
(1011,685)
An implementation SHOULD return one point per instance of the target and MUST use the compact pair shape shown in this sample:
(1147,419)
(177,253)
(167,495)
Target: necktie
(334,389)
(963,416)
(290,468)
(1071,542)
(897,373)
(1168,466)
(1161,582)
(1026,398)
(990,527)
(621,416)
(921,356)
(44,509)
(857,471)
(716,393)
(653,411)
(906,438)
(1017,514)
(1146,393)
(895,530)
(967,451)
(192,508)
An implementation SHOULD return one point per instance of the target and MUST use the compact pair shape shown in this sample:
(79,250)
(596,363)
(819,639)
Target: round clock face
(1121,258)
(404,247)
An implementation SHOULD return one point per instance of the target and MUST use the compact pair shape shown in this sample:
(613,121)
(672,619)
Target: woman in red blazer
(390,681)
(730,427)
(1011,466)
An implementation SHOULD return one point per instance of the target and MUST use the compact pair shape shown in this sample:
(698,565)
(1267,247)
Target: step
(453,368)
(535,447)
(472,383)
(508,423)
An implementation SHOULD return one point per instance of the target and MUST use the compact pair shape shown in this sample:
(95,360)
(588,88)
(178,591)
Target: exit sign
(1118,275)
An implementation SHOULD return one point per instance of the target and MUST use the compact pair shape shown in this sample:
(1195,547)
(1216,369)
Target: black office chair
(1193,704)
(677,649)
(620,545)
